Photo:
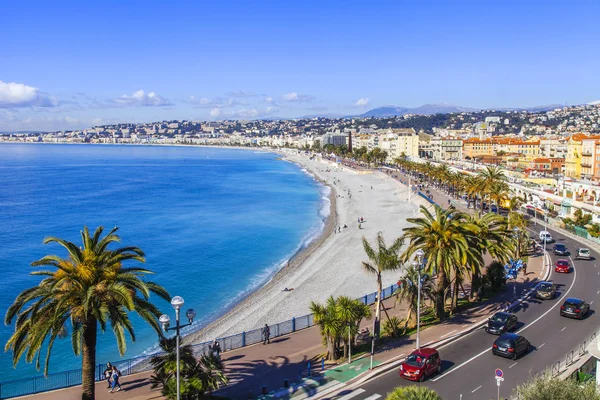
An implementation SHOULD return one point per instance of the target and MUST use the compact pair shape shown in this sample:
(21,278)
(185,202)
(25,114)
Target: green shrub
(413,393)
(392,327)
(495,276)
(546,387)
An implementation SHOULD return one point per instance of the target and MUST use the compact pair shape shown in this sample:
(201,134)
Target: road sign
(499,373)
(498,383)
(499,379)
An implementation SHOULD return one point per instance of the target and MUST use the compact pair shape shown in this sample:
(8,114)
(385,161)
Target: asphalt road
(468,363)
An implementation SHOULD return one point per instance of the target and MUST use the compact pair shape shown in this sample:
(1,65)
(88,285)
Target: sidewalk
(287,357)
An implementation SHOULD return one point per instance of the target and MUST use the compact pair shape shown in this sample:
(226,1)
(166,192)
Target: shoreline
(295,261)
(321,269)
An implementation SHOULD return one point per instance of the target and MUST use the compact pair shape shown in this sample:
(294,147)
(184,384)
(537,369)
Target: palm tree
(490,176)
(491,236)
(408,290)
(381,259)
(350,312)
(444,243)
(413,392)
(329,325)
(90,289)
(212,372)
(335,318)
(165,367)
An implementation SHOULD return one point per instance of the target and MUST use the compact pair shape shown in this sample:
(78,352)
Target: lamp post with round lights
(418,264)
(177,302)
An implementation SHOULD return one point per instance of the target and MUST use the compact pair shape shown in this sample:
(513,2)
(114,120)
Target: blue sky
(76,64)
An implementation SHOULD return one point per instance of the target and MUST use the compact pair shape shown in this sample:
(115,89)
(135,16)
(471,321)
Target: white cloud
(240,93)
(362,102)
(140,98)
(215,112)
(269,100)
(295,97)
(20,95)
(594,103)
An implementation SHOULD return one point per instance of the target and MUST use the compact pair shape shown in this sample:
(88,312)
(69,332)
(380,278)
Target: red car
(421,364)
(563,266)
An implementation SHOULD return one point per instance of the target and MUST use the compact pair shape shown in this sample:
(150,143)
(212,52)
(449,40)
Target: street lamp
(518,247)
(418,263)
(177,302)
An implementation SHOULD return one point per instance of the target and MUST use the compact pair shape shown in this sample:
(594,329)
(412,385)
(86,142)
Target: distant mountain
(535,109)
(594,103)
(443,108)
(385,111)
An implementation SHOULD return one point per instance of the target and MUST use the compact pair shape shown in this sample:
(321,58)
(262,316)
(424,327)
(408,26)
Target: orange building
(547,165)
(476,148)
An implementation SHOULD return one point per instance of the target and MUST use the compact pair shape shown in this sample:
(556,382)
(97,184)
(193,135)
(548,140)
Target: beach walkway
(288,357)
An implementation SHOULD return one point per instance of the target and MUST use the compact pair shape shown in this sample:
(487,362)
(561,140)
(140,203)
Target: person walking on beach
(266,335)
(108,374)
(115,379)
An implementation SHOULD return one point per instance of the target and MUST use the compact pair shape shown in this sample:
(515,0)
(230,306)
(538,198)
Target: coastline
(331,263)
(296,260)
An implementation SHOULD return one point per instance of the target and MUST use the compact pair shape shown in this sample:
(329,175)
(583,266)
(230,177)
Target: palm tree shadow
(247,376)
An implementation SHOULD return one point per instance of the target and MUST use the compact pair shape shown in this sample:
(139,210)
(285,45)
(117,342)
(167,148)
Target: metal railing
(60,380)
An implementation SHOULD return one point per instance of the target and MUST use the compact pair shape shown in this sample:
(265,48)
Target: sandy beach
(331,265)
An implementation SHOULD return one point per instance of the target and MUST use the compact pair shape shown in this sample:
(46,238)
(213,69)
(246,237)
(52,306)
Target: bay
(215,224)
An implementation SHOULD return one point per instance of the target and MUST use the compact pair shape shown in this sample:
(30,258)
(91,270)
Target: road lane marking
(541,345)
(373,397)
(591,302)
(513,365)
(563,329)
(447,334)
(595,266)
(476,389)
(519,331)
(465,325)
(351,395)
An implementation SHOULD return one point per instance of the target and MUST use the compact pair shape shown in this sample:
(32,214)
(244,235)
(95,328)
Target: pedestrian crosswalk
(358,392)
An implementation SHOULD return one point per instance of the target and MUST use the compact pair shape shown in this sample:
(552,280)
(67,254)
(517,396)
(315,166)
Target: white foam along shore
(331,265)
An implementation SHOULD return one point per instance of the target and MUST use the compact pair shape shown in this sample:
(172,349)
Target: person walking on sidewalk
(266,334)
(108,374)
(115,379)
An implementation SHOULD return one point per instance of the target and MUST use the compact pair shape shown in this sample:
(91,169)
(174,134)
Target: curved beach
(331,264)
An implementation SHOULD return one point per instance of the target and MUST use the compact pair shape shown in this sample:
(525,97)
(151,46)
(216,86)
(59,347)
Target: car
(563,266)
(421,364)
(560,249)
(574,308)
(494,208)
(501,322)
(546,236)
(510,345)
(583,254)
(545,290)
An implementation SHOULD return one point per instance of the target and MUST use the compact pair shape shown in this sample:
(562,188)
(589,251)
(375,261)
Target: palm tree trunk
(440,295)
(408,318)
(454,304)
(88,360)
(378,306)
(475,283)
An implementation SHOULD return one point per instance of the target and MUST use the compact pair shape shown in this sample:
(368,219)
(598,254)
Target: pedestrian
(266,334)
(216,348)
(108,374)
(115,379)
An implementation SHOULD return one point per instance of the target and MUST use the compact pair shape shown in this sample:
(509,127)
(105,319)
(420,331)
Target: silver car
(583,254)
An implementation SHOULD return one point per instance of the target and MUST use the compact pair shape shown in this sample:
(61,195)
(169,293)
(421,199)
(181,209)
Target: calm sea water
(215,224)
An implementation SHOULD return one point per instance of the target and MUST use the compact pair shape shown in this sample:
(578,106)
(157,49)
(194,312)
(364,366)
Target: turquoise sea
(215,224)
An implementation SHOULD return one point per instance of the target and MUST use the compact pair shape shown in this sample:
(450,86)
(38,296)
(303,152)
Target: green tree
(335,317)
(445,244)
(546,387)
(88,289)
(196,376)
(408,291)
(381,259)
(413,392)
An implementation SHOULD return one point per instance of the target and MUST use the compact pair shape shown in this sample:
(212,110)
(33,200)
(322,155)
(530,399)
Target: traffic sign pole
(499,375)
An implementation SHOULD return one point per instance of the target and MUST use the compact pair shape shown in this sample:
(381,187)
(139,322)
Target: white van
(546,236)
